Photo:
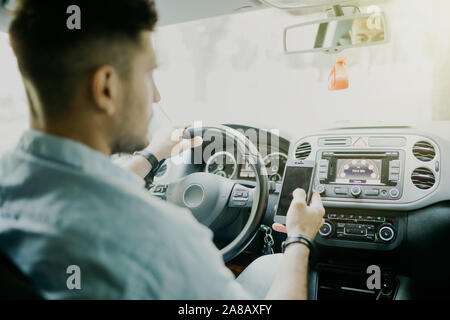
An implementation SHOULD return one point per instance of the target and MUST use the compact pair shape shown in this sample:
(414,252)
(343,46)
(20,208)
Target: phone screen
(294,177)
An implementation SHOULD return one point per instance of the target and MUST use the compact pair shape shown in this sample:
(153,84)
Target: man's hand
(167,143)
(303,219)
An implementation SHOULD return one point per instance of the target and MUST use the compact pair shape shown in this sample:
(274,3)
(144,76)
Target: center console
(369,183)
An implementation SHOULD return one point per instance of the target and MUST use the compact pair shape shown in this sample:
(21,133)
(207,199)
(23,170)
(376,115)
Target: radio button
(372,192)
(321,189)
(394,192)
(394,164)
(355,231)
(323,169)
(356,191)
(341,191)
(394,170)
(323,175)
(370,236)
(394,177)
(324,164)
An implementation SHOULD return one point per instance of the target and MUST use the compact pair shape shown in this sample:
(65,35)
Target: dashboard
(225,164)
(371,179)
(375,169)
(385,190)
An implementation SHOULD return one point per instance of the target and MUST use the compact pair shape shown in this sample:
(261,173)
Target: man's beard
(128,144)
(125,141)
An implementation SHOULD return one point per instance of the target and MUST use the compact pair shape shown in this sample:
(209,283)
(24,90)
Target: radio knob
(327,229)
(321,189)
(356,191)
(386,232)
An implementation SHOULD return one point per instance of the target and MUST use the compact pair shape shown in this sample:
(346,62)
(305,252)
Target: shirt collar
(74,154)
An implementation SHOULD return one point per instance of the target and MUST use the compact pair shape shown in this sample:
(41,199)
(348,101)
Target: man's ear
(106,89)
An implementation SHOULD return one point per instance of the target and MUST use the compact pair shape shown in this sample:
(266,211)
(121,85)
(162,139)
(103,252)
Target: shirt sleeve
(201,272)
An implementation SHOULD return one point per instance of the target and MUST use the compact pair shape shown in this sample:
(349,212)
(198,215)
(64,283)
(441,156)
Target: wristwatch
(150,157)
(297,239)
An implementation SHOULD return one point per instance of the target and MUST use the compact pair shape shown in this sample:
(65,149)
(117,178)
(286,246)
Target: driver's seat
(14,285)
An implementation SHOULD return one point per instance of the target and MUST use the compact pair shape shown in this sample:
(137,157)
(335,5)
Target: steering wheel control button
(240,197)
(240,194)
(159,191)
(386,233)
(193,196)
(326,230)
(394,193)
(356,191)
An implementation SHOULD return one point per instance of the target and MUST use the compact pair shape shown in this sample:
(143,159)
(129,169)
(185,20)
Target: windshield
(232,69)
(13,103)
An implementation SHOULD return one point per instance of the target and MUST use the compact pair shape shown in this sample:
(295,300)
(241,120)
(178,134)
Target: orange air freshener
(338,78)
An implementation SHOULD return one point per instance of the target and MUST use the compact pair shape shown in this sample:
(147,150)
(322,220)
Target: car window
(233,68)
(13,102)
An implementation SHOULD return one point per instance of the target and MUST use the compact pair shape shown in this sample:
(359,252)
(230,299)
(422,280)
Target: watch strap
(298,239)
(150,157)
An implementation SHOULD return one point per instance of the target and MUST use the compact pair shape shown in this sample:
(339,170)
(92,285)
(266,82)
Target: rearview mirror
(337,33)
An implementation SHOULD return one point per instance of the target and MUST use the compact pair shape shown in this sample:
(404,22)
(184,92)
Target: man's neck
(70,130)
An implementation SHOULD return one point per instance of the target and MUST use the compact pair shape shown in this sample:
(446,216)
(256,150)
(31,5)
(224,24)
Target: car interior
(268,81)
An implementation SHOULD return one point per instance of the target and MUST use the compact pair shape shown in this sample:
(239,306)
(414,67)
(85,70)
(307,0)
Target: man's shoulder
(70,197)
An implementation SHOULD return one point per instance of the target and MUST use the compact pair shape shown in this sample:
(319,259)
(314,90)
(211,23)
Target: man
(65,206)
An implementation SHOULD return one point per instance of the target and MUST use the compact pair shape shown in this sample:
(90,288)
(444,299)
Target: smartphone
(297,174)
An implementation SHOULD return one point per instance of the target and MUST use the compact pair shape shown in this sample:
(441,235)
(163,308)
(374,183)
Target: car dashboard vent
(424,151)
(335,142)
(303,151)
(423,178)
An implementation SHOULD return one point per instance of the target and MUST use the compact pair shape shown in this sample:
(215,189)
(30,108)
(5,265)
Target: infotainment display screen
(359,171)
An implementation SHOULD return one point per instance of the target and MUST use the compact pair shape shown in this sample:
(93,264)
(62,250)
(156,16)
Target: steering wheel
(210,197)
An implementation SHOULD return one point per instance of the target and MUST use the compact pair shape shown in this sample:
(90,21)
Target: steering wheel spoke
(241,197)
(210,197)
(159,191)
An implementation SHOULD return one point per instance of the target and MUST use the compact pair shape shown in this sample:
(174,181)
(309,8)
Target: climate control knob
(327,229)
(386,232)
(356,191)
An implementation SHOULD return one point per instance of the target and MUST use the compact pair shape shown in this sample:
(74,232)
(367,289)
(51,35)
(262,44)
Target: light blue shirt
(63,204)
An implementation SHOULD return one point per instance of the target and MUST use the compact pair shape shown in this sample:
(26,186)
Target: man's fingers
(299,197)
(177,134)
(196,142)
(316,200)
(187,144)
(279,227)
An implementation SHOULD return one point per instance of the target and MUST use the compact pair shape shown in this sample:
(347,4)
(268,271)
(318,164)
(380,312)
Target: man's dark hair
(55,58)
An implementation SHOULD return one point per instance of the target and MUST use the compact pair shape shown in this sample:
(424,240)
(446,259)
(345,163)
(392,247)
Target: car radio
(360,174)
